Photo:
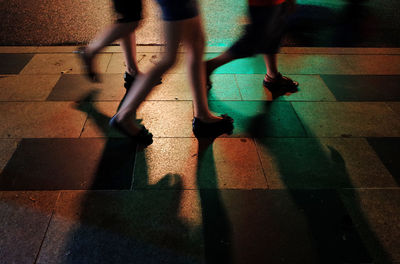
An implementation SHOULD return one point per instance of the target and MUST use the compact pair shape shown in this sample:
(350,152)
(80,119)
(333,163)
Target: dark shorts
(264,33)
(128,10)
(173,10)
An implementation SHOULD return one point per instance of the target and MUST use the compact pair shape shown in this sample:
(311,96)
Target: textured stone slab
(387,150)
(26,88)
(376,213)
(40,120)
(311,88)
(309,163)
(395,106)
(374,64)
(226,164)
(224,87)
(173,87)
(7,148)
(62,64)
(73,87)
(260,119)
(13,63)
(63,164)
(364,87)
(127,227)
(24,220)
(166,118)
(208,225)
(161,118)
(345,119)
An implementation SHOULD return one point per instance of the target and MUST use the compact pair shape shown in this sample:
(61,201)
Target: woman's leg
(109,35)
(145,82)
(128,45)
(193,38)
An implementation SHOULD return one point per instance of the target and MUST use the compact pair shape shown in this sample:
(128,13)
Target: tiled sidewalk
(309,177)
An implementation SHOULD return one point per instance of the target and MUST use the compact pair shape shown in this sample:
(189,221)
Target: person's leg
(193,38)
(108,36)
(274,79)
(128,45)
(145,82)
(271,63)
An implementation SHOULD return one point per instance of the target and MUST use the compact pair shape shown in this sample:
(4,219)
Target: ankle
(272,76)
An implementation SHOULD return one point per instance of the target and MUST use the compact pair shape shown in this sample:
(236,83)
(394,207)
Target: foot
(87,61)
(214,128)
(280,82)
(129,78)
(138,134)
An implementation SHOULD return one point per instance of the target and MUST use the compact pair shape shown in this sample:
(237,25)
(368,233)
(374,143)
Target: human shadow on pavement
(114,225)
(217,230)
(314,174)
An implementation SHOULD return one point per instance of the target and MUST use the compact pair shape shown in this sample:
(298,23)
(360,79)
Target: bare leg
(194,41)
(128,45)
(218,61)
(144,83)
(271,63)
(108,36)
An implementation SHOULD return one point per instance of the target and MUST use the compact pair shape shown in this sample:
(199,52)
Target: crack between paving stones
(47,228)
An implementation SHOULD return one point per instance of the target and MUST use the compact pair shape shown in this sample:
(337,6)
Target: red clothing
(265,2)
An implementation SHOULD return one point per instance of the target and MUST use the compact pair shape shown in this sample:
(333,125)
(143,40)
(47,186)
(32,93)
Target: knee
(168,61)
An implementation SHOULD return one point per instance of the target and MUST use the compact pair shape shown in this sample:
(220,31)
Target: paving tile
(395,106)
(387,150)
(224,87)
(314,64)
(173,87)
(161,118)
(124,226)
(18,49)
(62,64)
(26,88)
(381,64)
(227,164)
(364,87)
(166,118)
(148,225)
(99,114)
(40,119)
(24,220)
(345,119)
(7,148)
(63,164)
(334,50)
(311,88)
(72,87)
(252,65)
(13,63)
(260,119)
(376,213)
(280,226)
(309,163)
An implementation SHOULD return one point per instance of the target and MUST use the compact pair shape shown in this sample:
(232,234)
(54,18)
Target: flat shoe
(144,137)
(223,126)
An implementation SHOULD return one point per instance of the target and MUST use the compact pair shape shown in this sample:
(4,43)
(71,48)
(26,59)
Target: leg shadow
(217,229)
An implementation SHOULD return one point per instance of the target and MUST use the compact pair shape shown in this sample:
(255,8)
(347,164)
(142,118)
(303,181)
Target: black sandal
(87,65)
(144,137)
(223,126)
(280,83)
(129,79)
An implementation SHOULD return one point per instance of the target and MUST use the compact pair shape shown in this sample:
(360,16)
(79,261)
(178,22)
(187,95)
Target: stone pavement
(308,177)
